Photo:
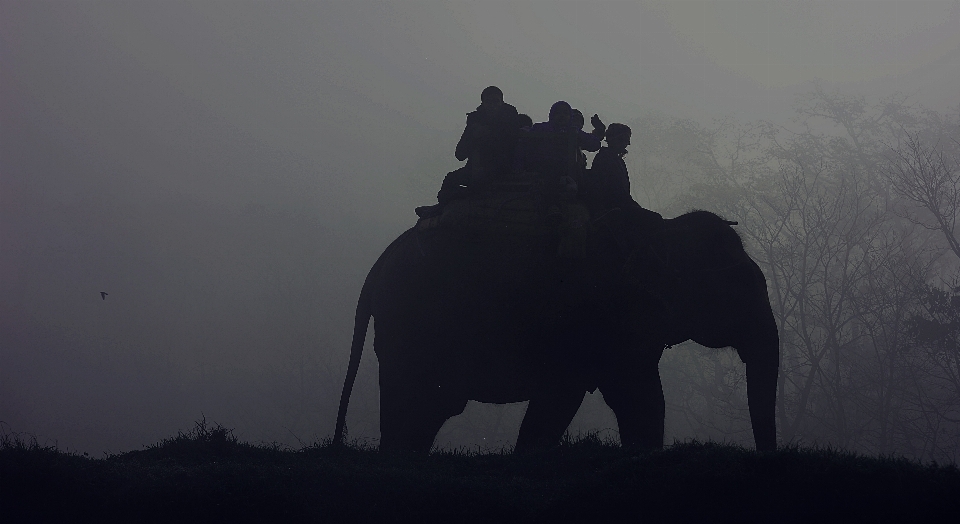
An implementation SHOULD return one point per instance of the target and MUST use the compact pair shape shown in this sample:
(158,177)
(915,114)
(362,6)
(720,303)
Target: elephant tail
(360,322)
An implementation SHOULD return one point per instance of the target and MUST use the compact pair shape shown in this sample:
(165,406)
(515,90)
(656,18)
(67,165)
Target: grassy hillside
(207,475)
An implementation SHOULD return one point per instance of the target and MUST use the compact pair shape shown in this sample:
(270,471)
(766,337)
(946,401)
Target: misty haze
(192,194)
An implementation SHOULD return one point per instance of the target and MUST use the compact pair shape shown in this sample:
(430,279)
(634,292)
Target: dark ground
(207,475)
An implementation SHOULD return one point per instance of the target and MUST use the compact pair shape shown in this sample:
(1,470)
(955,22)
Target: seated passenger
(551,149)
(607,187)
(489,139)
(488,144)
(548,150)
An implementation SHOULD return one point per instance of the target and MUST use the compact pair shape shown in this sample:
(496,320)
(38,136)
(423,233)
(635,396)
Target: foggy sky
(229,171)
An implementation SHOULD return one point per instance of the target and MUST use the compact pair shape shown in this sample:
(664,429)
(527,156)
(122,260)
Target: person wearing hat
(607,187)
(488,144)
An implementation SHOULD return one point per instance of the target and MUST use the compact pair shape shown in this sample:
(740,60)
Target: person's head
(560,113)
(576,119)
(524,120)
(491,98)
(618,136)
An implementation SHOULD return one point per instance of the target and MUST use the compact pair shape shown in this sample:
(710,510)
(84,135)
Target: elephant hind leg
(411,416)
(548,416)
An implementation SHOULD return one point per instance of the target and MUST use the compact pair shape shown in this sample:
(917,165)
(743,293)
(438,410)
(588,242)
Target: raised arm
(588,141)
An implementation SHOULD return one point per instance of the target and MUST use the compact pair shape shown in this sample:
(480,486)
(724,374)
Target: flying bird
(103,295)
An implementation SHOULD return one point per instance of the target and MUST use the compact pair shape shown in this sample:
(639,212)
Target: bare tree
(929,176)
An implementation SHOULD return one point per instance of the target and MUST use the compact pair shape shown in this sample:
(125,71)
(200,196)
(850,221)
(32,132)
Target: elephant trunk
(762,399)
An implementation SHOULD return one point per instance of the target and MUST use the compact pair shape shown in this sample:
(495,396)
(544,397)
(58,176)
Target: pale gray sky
(225,168)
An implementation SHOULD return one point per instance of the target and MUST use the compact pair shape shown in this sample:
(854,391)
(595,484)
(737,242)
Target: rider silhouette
(551,149)
(606,190)
(488,144)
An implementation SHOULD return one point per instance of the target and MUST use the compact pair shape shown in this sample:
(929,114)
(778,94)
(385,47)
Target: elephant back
(515,209)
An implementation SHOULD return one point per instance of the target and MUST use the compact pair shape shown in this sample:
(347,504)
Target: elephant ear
(647,267)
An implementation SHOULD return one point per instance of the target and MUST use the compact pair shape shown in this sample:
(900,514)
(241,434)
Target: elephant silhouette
(501,318)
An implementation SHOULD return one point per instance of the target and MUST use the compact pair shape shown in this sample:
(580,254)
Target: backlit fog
(228,172)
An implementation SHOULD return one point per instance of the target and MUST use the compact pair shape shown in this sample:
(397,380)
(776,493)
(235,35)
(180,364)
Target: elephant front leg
(548,415)
(762,401)
(637,401)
